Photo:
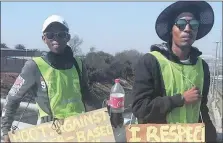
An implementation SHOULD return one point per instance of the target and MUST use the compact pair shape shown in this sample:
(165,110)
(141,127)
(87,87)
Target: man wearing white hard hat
(58,80)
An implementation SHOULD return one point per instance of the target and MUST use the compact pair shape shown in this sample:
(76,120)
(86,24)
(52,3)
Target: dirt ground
(7,80)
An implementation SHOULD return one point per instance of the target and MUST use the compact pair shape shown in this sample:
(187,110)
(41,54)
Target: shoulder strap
(155,53)
(77,66)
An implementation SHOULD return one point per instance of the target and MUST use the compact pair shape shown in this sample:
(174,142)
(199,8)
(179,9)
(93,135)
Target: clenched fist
(192,95)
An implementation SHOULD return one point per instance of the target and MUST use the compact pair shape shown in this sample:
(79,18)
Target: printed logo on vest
(43,84)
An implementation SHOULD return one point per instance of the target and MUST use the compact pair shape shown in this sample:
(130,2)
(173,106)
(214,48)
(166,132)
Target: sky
(108,26)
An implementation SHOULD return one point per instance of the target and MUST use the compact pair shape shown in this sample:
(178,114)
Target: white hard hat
(54,18)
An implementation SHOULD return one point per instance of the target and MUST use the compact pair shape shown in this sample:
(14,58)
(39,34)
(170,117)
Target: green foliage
(3,45)
(75,43)
(104,67)
(20,47)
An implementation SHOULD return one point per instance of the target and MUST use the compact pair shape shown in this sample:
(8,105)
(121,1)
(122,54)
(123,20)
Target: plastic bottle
(116,103)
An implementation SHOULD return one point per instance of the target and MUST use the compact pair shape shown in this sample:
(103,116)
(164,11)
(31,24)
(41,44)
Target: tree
(3,45)
(20,47)
(75,43)
(131,56)
(92,49)
(97,64)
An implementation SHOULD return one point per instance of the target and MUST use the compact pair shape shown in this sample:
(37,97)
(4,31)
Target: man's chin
(58,50)
(186,43)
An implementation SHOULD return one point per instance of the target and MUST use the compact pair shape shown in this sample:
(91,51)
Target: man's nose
(56,38)
(187,28)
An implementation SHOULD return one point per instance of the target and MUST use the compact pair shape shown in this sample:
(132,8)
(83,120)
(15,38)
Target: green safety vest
(177,79)
(63,88)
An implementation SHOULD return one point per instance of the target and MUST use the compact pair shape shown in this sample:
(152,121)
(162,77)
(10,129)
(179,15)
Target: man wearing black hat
(172,82)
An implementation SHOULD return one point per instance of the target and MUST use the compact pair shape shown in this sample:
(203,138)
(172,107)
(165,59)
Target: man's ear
(44,39)
(68,37)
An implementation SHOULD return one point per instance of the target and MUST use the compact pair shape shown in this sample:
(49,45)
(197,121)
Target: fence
(13,65)
(20,53)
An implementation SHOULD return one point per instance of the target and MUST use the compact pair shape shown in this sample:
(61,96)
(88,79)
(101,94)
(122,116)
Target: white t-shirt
(187,61)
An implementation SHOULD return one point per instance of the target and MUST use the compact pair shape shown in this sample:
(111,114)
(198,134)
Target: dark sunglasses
(61,35)
(182,23)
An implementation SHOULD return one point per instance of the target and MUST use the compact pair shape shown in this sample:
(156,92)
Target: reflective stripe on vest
(177,79)
(63,88)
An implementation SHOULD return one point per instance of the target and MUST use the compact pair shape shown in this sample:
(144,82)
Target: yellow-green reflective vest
(177,79)
(63,88)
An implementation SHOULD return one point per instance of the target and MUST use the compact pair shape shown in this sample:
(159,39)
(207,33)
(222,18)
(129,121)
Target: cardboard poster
(165,133)
(91,126)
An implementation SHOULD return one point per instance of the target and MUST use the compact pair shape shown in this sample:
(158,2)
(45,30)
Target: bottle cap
(117,80)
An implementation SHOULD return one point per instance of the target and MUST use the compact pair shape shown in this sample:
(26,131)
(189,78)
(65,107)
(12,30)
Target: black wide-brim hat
(201,9)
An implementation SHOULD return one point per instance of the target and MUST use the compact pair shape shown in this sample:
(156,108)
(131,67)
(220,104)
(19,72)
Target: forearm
(91,103)
(8,113)
(150,109)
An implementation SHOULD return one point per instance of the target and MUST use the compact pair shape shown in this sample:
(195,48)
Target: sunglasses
(182,23)
(61,35)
